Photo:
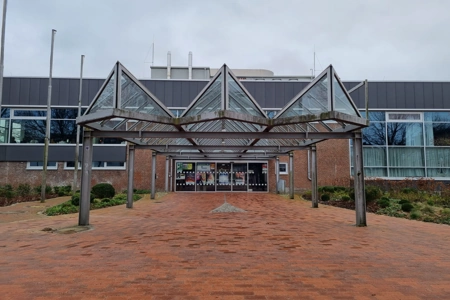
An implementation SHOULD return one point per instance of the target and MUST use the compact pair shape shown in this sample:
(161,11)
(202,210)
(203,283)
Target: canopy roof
(223,121)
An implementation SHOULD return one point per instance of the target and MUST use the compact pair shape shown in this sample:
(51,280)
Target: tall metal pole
(47,128)
(2,53)
(77,150)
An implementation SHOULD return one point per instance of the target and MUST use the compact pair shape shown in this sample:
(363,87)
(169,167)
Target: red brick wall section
(332,157)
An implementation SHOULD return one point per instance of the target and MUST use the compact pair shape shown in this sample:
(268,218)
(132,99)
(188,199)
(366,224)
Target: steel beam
(291,175)
(277,173)
(314,192)
(85,195)
(176,148)
(358,175)
(153,175)
(130,166)
(166,185)
(224,135)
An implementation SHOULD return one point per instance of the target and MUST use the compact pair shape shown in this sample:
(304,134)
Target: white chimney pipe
(190,65)
(168,64)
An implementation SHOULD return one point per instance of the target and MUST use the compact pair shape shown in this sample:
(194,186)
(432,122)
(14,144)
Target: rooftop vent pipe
(168,64)
(190,65)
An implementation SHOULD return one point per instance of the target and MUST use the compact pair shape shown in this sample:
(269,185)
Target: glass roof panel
(106,98)
(210,101)
(341,102)
(314,101)
(133,98)
(239,101)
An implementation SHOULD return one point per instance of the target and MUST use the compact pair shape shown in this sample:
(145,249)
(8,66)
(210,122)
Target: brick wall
(332,157)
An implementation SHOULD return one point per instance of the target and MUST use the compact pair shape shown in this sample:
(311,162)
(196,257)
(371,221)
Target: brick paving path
(174,248)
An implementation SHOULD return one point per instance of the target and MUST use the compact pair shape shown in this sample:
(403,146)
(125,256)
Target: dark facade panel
(59,153)
(268,94)
(391,95)
(438,94)
(428,95)
(419,100)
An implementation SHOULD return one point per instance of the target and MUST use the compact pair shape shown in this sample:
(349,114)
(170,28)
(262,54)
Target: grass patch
(69,208)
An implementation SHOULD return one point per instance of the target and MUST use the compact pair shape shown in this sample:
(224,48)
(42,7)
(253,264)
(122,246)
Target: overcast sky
(377,40)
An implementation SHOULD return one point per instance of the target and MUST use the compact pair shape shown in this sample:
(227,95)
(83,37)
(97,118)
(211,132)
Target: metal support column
(291,175)
(130,166)
(277,173)
(152,196)
(85,195)
(170,175)
(314,192)
(358,175)
(166,186)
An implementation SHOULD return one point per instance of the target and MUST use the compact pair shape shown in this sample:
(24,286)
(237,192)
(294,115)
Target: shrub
(373,193)
(409,190)
(23,190)
(430,202)
(7,191)
(427,209)
(325,197)
(307,195)
(142,191)
(384,202)
(340,189)
(345,198)
(75,200)
(403,201)
(103,190)
(415,214)
(407,207)
(48,189)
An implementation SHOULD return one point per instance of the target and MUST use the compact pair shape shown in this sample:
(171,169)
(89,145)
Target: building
(408,136)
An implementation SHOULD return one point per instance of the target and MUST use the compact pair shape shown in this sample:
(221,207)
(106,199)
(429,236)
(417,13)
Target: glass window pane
(374,156)
(406,157)
(30,113)
(115,164)
(4,113)
(406,172)
(27,131)
(341,102)
(4,130)
(437,134)
(375,134)
(257,177)
(438,157)
(64,113)
(314,101)
(405,134)
(375,172)
(63,131)
(439,172)
(437,116)
(205,177)
(185,176)
(106,98)
(211,100)
(403,116)
(239,101)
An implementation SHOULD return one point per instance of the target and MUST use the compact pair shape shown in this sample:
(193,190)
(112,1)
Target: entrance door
(223,176)
(239,177)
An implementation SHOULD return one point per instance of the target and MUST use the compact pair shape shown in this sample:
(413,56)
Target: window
(70,165)
(283,168)
(110,165)
(38,165)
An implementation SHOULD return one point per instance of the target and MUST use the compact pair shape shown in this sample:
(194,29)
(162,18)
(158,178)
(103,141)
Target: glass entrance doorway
(210,176)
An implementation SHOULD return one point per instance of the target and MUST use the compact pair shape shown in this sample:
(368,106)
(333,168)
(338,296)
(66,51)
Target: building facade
(408,136)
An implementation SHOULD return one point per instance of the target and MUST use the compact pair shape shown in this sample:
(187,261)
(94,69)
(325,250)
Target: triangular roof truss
(224,120)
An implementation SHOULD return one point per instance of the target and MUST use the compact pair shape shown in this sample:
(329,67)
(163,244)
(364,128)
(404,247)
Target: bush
(345,198)
(103,190)
(48,189)
(373,193)
(23,190)
(75,200)
(307,195)
(427,209)
(384,202)
(409,190)
(430,202)
(407,207)
(415,214)
(325,197)
(7,191)
(403,201)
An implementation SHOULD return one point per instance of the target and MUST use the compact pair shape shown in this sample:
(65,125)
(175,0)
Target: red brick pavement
(177,249)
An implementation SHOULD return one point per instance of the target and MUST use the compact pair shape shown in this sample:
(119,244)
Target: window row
(70,165)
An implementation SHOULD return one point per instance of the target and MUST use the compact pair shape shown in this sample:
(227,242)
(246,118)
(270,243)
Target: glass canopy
(224,118)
